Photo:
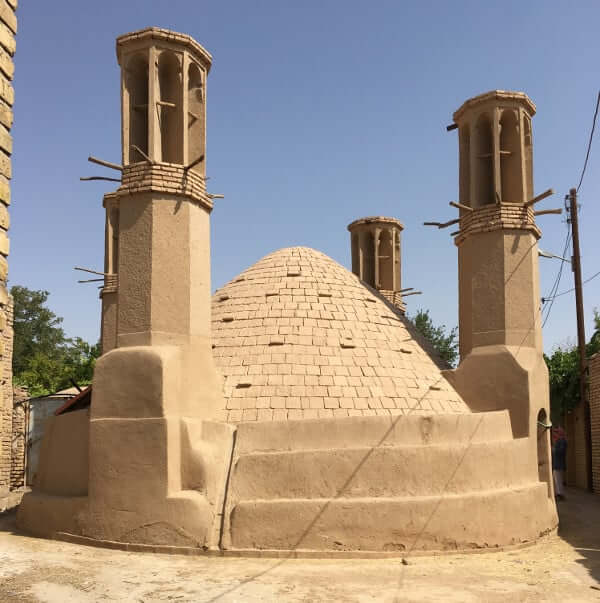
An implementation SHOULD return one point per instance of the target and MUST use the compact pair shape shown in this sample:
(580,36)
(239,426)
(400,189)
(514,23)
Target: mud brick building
(296,408)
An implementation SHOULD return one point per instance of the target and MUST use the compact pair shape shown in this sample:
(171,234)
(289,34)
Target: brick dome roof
(298,336)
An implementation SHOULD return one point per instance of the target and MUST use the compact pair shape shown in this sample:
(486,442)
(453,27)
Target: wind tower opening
(369,259)
(465,166)
(195,123)
(136,86)
(484,154)
(386,257)
(510,157)
(169,108)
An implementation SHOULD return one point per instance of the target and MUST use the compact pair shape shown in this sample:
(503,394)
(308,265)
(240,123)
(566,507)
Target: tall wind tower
(502,364)
(157,372)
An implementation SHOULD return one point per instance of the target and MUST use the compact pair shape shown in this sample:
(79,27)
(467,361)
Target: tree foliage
(445,343)
(563,366)
(44,358)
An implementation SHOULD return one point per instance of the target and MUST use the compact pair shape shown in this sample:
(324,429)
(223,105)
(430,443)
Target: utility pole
(576,267)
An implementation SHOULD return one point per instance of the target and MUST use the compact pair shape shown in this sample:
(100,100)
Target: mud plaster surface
(561,568)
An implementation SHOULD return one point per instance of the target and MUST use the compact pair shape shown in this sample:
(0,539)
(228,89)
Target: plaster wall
(295,484)
(40,411)
(63,461)
(375,484)
(108,331)
(164,270)
(476,521)
(499,290)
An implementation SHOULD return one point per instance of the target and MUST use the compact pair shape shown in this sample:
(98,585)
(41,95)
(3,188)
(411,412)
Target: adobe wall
(444,483)
(8,29)
(594,367)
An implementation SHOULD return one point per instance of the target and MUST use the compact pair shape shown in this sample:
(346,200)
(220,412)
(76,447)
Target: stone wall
(8,29)
(594,367)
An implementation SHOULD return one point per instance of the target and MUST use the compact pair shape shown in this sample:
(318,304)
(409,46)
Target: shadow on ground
(579,525)
(8,521)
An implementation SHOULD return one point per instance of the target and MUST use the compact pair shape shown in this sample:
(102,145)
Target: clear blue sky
(318,113)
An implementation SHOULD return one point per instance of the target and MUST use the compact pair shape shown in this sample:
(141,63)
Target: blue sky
(318,113)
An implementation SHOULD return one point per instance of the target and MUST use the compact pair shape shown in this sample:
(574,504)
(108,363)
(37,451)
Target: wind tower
(156,381)
(376,255)
(502,365)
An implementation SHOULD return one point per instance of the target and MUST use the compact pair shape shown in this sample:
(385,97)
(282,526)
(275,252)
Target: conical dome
(298,336)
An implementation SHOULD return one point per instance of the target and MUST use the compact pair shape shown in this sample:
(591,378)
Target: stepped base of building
(483,520)
(364,485)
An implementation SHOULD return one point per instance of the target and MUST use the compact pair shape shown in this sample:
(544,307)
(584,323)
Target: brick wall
(594,366)
(8,29)
(578,443)
(577,474)
(19,438)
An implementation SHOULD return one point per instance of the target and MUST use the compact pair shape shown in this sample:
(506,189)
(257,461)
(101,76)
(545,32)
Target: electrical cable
(587,155)
(554,288)
(587,280)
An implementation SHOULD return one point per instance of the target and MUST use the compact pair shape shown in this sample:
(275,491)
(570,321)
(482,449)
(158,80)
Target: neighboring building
(37,412)
(20,420)
(8,472)
(577,449)
(29,420)
(594,393)
(578,472)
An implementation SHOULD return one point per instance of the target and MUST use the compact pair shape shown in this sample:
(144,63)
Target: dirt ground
(561,568)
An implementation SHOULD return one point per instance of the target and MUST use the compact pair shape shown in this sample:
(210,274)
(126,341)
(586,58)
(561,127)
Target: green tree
(80,359)
(563,366)
(445,343)
(37,329)
(44,359)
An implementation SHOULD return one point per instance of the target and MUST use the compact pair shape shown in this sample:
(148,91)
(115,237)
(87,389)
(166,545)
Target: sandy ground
(561,568)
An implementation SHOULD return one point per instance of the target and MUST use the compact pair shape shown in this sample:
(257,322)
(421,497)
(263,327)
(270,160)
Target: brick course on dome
(298,336)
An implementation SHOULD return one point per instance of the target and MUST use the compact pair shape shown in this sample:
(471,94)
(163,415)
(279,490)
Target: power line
(554,288)
(587,155)
(553,291)
(587,280)
(547,299)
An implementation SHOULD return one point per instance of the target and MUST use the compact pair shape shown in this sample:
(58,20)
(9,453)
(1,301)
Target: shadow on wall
(579,526)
